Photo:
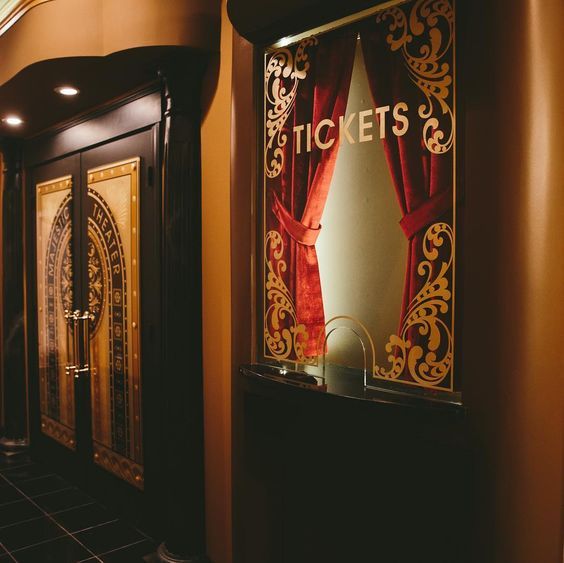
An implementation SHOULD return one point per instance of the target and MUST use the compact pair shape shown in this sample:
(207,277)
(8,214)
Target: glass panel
(359,196)
(54,296)
(113,296)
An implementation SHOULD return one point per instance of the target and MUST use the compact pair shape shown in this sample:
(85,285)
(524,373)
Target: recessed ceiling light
(67,90)
(13,120)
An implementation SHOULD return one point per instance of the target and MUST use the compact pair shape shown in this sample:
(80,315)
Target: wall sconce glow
(67,90)
(13,120)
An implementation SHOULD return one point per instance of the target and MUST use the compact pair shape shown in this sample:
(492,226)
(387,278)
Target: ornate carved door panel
(113,296)
(88,270)
(55,298)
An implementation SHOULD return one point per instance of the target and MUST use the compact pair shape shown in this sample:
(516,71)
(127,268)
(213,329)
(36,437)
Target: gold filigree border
(59,432)
(130,167)
(124,468)
(54,429)
(283,72)
(284,343)
(424,315)
(427,67)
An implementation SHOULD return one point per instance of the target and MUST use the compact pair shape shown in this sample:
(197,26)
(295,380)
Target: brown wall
(512,324)
(217,298)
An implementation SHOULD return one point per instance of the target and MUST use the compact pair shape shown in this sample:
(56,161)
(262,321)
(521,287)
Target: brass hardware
(70,368)
(85,318)
(79,324)
(115,337)
(55,278)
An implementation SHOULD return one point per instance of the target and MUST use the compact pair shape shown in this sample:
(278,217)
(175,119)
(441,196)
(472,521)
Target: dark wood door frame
(182,316)
(143,142)
(13,412)
(171,108)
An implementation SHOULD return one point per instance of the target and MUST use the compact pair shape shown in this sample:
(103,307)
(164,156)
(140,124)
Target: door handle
(71,366)
(84,319)
(78,324)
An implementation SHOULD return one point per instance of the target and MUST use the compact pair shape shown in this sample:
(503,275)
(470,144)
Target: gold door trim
(119,465)
(114,298)
(54,295)
(59,432)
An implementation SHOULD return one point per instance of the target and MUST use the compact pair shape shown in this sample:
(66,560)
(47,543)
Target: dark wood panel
(12,347)
(334,480)
(143,508)
(127,117)
(182,317)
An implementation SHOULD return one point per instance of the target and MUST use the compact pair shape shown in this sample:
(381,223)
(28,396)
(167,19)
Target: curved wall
(513,305)
(216,298)
(75,28)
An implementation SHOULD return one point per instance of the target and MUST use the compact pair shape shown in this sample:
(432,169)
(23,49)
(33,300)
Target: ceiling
(105,48)
(30,94)
(266,21)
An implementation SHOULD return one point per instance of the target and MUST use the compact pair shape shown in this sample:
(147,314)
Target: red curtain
(297,198)
(422,180)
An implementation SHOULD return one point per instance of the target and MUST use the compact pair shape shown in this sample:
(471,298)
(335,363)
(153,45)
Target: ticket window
(357,201)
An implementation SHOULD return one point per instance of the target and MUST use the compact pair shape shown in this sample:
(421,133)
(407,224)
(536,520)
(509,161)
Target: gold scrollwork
(59,432)
(66,276)
(427,68)
(96,283)
(432,300)
(284,343)
(118,465)
(283,72)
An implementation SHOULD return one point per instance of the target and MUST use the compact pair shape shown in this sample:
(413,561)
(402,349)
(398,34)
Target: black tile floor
(45,519)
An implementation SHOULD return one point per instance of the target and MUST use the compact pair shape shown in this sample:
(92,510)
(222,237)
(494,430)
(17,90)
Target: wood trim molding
(12,304)
(122,117)
(243,190)
(182,317)
(14,10)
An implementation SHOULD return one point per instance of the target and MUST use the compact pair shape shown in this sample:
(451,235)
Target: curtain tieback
(426,213)
(298,231)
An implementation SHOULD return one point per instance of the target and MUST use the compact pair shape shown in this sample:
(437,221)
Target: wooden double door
(95,259)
